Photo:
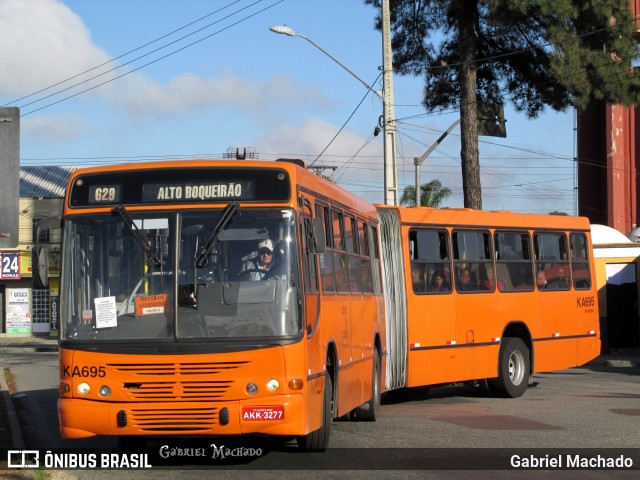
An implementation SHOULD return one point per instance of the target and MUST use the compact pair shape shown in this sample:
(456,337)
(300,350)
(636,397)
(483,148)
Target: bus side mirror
(39,266)
(319,241)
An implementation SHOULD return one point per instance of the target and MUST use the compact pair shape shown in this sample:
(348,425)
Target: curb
(27,348)
(16,430)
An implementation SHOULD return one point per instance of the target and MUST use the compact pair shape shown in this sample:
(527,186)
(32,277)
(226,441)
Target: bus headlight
(64,388)
(273,385)
(252,388)
(84,388)
(104,391)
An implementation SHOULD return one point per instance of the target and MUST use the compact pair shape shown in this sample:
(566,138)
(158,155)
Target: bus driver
(257,268)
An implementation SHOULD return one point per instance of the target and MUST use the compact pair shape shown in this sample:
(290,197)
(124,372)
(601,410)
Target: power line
(125,54)
(344,124)
(153,61)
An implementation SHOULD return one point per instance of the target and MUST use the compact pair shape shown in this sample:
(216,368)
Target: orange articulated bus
(232,297)
(175,322)
(495,296)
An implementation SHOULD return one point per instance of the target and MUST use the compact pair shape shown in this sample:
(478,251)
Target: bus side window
(352,246)
(580,269)
(326,259)
(431,262)
(551,256)
(366,276)
(310,272)
(473,259)
(375,258)
(514,267)
(340,261)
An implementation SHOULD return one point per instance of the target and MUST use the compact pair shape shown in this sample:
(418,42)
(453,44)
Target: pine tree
(532,53)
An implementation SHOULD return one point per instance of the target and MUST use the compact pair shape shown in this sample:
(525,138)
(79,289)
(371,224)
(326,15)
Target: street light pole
(418,161)
(390,169)
(284,30)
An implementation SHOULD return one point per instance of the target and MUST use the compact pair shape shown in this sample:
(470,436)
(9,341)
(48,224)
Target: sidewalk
(27,343)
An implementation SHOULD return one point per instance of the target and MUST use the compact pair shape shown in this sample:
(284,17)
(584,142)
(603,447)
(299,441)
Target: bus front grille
(185,420)
(163,369)
(176,381)
(176,390)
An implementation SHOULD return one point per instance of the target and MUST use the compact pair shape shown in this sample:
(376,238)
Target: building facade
(25,309)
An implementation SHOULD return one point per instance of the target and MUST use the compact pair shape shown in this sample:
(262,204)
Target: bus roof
(482,218)
(303,179)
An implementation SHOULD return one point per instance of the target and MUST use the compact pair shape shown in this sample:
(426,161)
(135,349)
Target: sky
(112,81)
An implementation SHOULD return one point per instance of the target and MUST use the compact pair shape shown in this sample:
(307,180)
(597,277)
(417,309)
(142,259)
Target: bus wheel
(513,369)
(318,441)
(368,412)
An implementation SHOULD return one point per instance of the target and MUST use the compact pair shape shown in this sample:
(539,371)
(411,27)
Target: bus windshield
(170,276)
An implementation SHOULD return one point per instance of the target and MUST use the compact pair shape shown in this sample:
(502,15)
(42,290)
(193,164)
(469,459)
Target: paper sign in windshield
(151,304)
(106,315)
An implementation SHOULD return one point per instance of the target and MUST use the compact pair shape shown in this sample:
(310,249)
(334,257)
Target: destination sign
(189,185)
(167,192)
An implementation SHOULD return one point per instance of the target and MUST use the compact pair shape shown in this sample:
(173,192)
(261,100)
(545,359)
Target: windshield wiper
(148,248)
(207,247)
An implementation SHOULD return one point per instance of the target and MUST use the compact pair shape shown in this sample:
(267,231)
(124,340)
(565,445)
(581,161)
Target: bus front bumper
(277,415)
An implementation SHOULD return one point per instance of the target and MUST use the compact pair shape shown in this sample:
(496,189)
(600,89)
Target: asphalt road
(583,408)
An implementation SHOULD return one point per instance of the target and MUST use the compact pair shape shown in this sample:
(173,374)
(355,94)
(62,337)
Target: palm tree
(432,194)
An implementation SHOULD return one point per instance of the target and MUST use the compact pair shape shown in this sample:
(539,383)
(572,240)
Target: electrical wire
(124,54)
(153,61)
(345,123)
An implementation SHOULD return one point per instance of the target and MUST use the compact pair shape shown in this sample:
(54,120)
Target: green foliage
(432,194)
(534,53)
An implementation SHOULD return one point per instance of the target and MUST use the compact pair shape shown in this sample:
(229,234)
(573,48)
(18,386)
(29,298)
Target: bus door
(430,307)
(312,301)
(358,336)
(341,309)
(553,281)
(476,307)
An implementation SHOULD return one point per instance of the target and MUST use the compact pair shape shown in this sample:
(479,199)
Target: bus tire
(368,412)
(514,368)
(318,441)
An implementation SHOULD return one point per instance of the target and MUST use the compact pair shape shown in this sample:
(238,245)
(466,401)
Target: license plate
(253,414)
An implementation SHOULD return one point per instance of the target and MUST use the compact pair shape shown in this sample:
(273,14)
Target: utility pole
(390,163)
(10,178)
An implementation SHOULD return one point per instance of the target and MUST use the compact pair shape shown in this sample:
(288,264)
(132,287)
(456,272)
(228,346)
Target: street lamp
(390,169)
(284,30)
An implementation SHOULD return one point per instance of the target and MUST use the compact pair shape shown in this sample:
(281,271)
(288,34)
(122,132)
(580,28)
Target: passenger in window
(559,279)
(446,271)
(438,283)
(465,283)
(417,279)
(541,280)
(488,281)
